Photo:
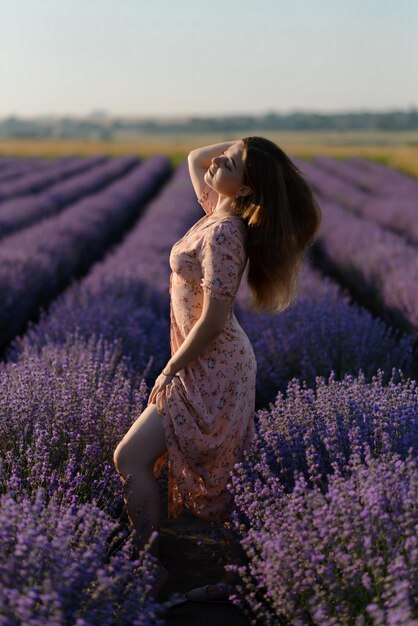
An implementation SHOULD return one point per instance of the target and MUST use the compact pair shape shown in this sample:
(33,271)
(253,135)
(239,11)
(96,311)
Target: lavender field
(326,502)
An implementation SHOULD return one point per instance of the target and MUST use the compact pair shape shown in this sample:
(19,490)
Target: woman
(200,413)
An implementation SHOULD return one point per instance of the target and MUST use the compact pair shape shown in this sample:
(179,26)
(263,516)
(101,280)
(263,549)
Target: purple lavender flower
(55,567)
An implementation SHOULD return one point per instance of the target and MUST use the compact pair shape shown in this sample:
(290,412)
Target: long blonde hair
(282,218)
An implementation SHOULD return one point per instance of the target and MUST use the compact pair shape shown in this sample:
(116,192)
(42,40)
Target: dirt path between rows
(194,557)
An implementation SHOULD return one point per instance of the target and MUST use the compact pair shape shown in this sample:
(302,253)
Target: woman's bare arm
(199,161)
(199,338)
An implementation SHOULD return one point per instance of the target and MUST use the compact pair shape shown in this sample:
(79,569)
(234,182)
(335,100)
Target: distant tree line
(112,127)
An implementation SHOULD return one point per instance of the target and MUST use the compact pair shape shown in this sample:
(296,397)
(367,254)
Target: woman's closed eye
(227,166)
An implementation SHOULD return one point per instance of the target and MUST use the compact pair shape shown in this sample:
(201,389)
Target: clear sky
(211,57)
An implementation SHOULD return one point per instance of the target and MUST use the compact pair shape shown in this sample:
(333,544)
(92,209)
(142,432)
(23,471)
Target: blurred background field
(395,149)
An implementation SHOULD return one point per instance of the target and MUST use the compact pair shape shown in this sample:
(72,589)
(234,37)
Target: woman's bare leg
(134,458)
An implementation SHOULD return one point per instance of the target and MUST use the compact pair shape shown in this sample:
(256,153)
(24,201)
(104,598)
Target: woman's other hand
(160,382)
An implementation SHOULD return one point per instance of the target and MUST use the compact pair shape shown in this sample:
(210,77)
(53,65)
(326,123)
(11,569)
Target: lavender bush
(327,467)
(310,429)
(55,568)
(62,413)
(349,556)
(322,332)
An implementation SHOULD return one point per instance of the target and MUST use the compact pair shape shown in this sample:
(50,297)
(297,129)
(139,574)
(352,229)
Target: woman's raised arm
(199,161)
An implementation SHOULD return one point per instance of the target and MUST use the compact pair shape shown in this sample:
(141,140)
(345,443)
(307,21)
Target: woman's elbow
(192,154)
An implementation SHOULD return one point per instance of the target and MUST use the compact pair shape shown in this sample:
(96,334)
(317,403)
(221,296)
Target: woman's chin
(209,181)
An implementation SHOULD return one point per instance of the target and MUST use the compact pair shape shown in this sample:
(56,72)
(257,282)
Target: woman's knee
(142,444)
(127,460)
(120,458)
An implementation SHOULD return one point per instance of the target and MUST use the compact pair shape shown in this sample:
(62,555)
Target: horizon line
(103,113)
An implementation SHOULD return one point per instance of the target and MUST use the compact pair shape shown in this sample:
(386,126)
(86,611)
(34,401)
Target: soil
(192,552)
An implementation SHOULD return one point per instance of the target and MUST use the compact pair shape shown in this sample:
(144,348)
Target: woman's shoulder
(227,233)
(229,224)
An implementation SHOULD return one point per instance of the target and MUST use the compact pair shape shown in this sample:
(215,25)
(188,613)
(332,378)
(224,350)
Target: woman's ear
(244,191)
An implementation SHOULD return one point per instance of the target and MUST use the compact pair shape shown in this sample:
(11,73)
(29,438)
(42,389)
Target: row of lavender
(37,262)
(22,211)
(14,168)
(380,266)
(369,189)
(372,190)
(33,182)
(82,392)
(12,160)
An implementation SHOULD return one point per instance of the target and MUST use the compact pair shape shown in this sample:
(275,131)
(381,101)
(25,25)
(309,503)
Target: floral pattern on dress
(207,410)
(223,259)
(208,199)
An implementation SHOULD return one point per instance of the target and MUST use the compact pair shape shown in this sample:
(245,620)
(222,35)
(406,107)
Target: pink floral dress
(208,411)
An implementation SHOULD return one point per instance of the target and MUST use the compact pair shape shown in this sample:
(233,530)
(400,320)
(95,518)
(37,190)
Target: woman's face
(226,171)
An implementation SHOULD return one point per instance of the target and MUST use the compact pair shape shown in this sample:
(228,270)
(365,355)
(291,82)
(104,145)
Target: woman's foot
(223,589)
(219,591)
(217,594)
